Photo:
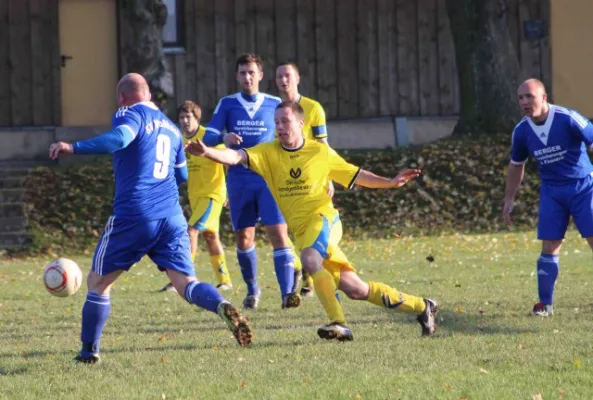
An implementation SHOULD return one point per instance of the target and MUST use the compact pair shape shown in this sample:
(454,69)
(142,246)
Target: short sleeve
(341,171)
(519,150)
(318,122)
(582,127)
(257,159)
(127,118)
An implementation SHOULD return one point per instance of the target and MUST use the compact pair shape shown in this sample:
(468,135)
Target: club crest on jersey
(295,173)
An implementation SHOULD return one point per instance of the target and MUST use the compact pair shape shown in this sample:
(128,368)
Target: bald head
(533,99)
(533,84)
(132,89)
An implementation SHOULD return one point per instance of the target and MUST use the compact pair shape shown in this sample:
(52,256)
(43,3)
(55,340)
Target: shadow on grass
(13,372)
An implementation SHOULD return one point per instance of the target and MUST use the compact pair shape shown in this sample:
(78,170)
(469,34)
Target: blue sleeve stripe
(320,130)
(181,164)
(213,130)
(579,120)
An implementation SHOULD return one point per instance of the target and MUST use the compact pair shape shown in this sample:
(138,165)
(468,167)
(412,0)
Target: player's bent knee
(311,260)
(278,236)
(245,238)
(180,281)
(210,237)
(551,246)
(101,284)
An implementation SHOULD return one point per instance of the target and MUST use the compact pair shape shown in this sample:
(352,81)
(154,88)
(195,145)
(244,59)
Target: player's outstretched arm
(368,179)
(106,143)
(515,173)
(223,156)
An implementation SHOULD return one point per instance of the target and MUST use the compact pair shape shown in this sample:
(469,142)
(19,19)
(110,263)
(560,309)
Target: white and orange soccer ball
(62,277)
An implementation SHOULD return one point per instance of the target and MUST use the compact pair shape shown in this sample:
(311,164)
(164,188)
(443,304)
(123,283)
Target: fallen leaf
(577,363)
(165,359)
(537,396)
(243,384)
(163,339)
(482,370)
(459,309)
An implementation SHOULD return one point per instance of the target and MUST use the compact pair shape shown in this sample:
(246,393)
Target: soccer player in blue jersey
(558,138)
(248,119)
(149,164)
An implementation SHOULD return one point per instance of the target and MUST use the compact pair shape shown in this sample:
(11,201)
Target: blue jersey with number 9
(145,186)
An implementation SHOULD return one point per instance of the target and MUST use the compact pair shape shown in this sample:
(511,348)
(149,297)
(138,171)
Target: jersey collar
(193,134)
(295,149)
(543,131)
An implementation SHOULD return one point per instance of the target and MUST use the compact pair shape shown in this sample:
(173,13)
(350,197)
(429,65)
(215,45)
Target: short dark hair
(294,106)
(289,64)
(189,106)
(249,58)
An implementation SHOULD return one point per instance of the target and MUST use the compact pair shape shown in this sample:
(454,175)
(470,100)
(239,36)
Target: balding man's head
(132,89)
(533,99)
(533,84)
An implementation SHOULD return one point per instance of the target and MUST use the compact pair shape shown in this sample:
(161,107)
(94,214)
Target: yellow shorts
(324,233)
(205,214)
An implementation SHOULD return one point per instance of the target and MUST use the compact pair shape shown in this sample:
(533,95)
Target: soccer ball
(62,277)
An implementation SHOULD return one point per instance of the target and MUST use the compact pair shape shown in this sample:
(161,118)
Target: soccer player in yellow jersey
(314,128)
(206,190)
(298,172)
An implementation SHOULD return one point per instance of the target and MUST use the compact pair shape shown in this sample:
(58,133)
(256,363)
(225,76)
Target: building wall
(29,63)
(572,58)
(359,58)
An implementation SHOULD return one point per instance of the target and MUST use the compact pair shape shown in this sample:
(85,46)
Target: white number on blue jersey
(163,156)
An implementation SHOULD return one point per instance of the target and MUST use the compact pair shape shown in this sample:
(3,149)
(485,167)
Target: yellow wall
(571,29)
(88,33)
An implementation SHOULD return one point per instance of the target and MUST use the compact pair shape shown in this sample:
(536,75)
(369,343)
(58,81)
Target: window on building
(173,31)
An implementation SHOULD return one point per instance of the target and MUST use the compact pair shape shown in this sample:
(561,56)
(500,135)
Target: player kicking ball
(298,172)
(149,163)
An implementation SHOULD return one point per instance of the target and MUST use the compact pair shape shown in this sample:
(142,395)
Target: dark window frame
(178,46)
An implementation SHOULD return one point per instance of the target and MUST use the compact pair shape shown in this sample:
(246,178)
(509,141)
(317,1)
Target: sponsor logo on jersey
(295,173)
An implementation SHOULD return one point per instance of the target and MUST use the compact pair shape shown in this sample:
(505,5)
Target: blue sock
(547,272)
(284,267)
(94,315)
(248,264)
(203,295)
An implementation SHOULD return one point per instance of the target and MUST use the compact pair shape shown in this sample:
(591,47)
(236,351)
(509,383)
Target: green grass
(156,346)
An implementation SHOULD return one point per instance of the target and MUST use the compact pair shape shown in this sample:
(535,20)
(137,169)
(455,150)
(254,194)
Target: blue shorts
(250,204)
(558,202)
(124,242)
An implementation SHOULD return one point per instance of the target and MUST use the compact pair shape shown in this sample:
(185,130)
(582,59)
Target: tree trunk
(141,32)
(487,65)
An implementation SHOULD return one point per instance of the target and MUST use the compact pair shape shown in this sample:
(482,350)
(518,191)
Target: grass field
(156,346)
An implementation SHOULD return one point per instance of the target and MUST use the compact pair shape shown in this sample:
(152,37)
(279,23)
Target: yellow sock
(193,258)
(307,281)
(218,264)
(325,288)
(385,296)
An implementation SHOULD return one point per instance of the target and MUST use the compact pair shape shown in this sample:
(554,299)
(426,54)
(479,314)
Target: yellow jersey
(315,125)
(205,177)
(299,178)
